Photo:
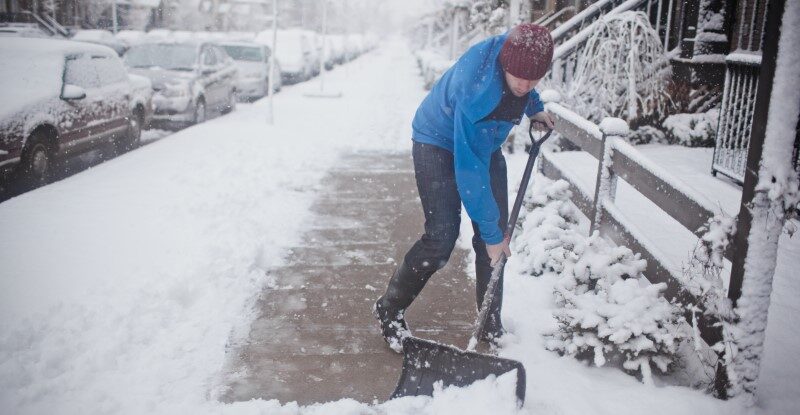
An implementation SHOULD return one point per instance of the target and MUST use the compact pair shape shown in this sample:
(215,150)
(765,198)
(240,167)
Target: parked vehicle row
(66,97)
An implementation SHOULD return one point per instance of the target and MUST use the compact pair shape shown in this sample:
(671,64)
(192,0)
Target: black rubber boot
(390,309)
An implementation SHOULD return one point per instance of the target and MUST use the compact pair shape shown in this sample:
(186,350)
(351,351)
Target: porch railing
(743,67)
(619,160)
(736,115)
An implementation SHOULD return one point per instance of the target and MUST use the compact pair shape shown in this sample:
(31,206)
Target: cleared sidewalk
(315,339)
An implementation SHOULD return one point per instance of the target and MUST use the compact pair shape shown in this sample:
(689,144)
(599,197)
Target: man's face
(518,86)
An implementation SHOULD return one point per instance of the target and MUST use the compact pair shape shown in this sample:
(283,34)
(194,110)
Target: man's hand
(545,118)
(497,249)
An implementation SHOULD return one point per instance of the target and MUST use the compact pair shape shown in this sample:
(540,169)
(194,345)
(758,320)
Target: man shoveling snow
(457,134)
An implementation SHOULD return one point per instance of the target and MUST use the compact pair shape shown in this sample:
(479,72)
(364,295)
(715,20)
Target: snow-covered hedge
(692,130)
(605,308)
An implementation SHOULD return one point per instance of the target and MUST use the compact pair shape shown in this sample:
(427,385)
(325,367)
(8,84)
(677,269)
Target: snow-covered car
(101,37)
(60,98)
(296,52)
(237,36)
(253,62)
(157,35)
(191,80)
(22,30)
(336,49)
(131,37)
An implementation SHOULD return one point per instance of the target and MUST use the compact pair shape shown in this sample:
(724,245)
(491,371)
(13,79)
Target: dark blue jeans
(441,205)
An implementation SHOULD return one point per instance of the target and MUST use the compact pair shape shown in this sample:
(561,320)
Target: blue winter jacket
(453,117)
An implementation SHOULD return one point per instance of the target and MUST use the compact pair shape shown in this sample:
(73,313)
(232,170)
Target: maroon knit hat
(527,51)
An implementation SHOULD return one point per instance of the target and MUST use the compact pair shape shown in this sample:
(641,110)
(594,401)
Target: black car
(191,79)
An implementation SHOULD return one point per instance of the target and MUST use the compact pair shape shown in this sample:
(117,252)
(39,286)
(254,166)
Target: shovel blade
(426,362)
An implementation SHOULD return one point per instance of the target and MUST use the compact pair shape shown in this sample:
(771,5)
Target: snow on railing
(619,160)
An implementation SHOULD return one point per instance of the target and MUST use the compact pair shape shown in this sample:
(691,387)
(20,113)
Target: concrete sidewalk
(315,339)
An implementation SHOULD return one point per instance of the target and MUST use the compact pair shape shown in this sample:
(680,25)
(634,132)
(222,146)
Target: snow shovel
(426,362)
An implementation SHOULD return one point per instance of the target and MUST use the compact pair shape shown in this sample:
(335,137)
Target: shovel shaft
(488,297)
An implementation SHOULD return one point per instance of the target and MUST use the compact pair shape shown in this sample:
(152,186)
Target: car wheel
(37,161)
(200,112)
(133,137)
(231,104)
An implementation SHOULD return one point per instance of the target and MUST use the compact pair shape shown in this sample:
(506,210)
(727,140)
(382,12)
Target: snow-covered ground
(121,286)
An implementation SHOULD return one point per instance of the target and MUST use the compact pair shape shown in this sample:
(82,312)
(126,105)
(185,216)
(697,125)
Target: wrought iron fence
(736,115)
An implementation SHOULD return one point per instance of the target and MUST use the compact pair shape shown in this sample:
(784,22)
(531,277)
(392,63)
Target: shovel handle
(488,296)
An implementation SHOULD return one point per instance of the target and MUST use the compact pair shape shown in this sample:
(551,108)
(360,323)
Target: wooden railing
(619,160)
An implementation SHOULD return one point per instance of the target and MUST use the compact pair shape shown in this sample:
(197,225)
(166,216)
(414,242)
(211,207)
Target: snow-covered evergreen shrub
(646,134)
(605,307)
(622,70)
(543,242)
(692,130)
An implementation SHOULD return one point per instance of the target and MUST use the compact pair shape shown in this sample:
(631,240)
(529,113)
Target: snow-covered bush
(622,70)
(646,134)
(544,242)
(605,307)
(703,272)
(702,278)
(490,16)
(692,130)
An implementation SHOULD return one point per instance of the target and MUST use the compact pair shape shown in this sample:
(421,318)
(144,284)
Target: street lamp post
(114,16)
(271,83)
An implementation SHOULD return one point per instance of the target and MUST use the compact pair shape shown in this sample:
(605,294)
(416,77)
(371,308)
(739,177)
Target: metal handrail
(554,16)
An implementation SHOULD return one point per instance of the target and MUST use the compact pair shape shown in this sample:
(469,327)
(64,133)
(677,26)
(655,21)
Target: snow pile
(620,72)
(614,126)
(604,308)
(492,395)
(692,130)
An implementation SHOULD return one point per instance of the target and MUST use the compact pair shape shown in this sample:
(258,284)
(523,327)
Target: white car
(131,37)
(296,52)
(22,30)
(101,37)
(253,62)
(191,80)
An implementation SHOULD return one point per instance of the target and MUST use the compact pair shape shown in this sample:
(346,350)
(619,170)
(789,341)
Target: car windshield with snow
(174,57)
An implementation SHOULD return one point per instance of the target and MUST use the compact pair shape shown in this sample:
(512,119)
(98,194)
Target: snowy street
(132,295)
(174,239)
